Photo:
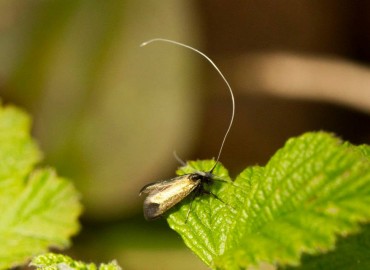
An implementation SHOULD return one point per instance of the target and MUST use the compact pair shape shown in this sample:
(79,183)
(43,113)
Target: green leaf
(313,190)
(351,252)
(51,261)
(18,153)
(38,209)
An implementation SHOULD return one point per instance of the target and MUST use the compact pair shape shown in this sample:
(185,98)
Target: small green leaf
(37,209)
(313,190)
(51,261)
(18,153)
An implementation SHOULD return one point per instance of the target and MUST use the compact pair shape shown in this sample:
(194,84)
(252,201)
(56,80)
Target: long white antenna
(223,77)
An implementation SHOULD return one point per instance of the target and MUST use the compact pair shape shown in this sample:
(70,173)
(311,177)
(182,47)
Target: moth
(165,194)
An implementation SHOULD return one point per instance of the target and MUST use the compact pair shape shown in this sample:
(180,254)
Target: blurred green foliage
(107,113)
(38,209)
(53,261)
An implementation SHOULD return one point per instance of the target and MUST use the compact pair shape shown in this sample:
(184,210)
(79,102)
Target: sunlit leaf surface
(312,191)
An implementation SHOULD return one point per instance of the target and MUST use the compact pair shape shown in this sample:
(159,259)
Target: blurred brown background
(109,114)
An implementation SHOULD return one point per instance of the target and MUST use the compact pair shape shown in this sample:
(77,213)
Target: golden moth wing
(164,195)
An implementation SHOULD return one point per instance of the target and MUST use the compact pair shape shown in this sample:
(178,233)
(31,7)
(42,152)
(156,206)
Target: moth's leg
(195,193)
(216,197)
(213,195)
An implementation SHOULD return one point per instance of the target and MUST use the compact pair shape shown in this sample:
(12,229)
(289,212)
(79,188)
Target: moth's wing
(166,194)
(155,186)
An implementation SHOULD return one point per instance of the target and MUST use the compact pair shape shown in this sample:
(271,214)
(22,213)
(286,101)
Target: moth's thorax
(196,177)
(203,177)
